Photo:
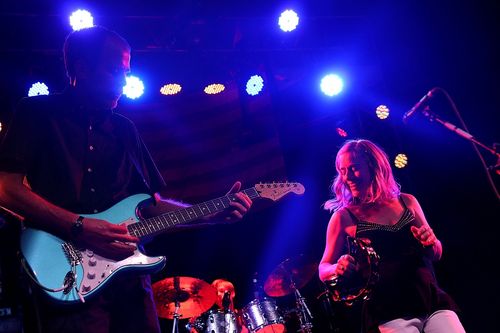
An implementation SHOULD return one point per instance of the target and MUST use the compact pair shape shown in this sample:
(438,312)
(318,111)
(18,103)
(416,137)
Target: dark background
(389,52)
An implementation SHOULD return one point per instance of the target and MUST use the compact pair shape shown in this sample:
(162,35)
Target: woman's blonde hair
(383,185)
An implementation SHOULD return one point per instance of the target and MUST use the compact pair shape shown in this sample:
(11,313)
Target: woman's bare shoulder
(342,217)
(408,198)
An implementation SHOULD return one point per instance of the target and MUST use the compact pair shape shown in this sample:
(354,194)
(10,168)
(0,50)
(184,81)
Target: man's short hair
(87,45)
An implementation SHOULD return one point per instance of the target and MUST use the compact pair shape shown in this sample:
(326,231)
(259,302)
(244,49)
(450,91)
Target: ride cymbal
(193,296)
(291,274)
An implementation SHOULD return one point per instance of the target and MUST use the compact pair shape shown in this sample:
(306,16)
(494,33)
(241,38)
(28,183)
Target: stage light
(134,87)
(81,19)
(341,132)
(170,89)
(401,161)
(0,126)
(331,85)
(214,88)
(382,112)
(288,20)
(38,88)
(255,85)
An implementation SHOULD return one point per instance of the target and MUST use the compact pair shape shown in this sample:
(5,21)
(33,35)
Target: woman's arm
(422,231)
(334,262)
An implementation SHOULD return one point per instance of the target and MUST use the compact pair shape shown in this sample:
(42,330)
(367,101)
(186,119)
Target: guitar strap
(134,141)
(140,171)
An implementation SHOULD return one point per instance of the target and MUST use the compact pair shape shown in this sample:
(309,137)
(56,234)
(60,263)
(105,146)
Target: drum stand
(303,312)
(175,325)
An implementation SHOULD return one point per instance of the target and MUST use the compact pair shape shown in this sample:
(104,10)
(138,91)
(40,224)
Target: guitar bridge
(73,255)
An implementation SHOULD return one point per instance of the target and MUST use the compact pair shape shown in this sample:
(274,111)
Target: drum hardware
(184,297)
(263,316)
(216,321)
(304,313)
(288,277)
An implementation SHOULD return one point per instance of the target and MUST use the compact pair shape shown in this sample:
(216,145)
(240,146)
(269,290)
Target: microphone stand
(433,117)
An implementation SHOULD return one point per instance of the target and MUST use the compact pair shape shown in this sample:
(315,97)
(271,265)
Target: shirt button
(96,211)
(92,189)
(89,169)
(91,147)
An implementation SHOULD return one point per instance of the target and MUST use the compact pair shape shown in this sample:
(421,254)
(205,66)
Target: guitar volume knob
(92,261)
(91,275)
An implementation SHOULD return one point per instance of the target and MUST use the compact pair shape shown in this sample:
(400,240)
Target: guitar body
(49,257)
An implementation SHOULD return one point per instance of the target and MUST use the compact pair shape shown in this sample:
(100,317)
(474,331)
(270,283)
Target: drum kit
(190,298)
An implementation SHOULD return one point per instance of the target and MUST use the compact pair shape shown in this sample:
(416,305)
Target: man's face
(103,86)
(223,287)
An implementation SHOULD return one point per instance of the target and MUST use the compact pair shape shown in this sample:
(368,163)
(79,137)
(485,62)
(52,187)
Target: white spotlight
(38,88)
(255,85)
(331,85)
(134,87)
(81,19)
(288,20)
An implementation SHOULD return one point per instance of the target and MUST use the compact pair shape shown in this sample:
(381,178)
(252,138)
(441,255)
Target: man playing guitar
(80,158)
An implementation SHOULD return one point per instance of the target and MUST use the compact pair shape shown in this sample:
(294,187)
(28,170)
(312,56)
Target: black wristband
(77,227)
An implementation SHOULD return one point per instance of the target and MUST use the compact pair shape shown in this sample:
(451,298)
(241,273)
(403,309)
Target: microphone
(226,300)
(419,104)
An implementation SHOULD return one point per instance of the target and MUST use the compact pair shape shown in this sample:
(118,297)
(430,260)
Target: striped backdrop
(203,143)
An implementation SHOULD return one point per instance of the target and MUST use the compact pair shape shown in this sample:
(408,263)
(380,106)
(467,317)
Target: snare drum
(217,321)
(262,315)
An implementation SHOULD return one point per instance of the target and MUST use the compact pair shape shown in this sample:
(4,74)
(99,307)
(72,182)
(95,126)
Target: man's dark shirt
(78,161)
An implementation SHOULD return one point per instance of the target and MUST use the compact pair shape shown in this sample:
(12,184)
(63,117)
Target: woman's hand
(345,266)
(424,235)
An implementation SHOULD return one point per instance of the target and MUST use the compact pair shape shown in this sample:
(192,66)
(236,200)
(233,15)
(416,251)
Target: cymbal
(290,275)
(194,296)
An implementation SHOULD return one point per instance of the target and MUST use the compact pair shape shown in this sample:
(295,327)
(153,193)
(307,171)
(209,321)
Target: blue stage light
(331,84)
(38,88)
(81,19)
(288,20)
(134,87)
(255,85)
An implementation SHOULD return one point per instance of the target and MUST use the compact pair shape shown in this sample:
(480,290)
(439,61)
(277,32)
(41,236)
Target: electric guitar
(70,274)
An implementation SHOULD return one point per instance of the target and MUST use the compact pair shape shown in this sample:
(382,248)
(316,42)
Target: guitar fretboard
(161,223)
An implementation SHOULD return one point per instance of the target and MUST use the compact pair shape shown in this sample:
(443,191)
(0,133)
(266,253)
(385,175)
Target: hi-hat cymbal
(291,274)
(194,296)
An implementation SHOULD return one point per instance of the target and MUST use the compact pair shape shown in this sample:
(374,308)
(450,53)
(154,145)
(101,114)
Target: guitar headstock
(276,191)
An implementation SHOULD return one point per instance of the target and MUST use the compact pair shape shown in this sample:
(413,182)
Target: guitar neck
(161,223)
